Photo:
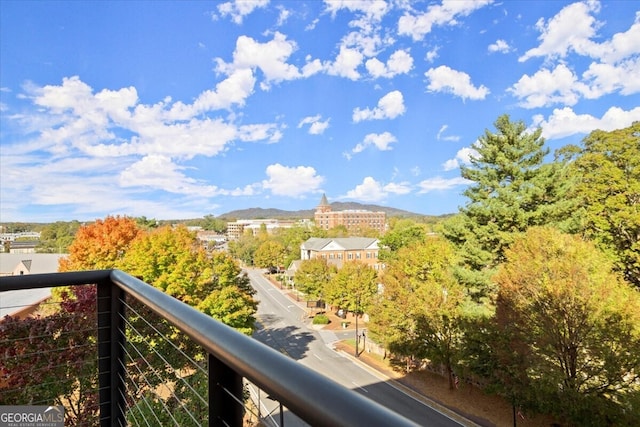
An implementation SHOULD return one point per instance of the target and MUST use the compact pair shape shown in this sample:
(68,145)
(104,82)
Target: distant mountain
(260,213)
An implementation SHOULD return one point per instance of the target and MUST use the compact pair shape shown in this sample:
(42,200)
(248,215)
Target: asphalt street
(284,326)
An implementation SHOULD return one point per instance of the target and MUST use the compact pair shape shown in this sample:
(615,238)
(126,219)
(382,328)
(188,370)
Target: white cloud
(463,156)
(400,62)
(259,132)
(373,191)
(432,54)
(548,87)
(441,184)
(561,86)
(440,136)
(317,125)
(283,16)
(445,79)
(234,90)
(292,181)
(238,9)
(398,188)
(381,141)
(570,30)
(114,124)
(621,45)
(374,9)
(417,26)
(389,106)
(573,30)
(270,57)
(346,64)
(500,46)
(565,122)
(161,173)
(603,78)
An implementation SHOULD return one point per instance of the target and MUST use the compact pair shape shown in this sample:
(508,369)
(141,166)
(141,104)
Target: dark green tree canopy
(511,190)
(607,171)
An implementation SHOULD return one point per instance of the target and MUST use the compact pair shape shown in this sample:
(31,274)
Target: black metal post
(357,337)
(226,407)
(111,341)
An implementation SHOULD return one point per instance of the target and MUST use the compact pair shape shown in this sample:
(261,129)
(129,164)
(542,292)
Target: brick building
(354,220)
(340,250)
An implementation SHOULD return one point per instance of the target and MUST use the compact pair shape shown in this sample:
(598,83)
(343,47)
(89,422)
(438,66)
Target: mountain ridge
(264,213)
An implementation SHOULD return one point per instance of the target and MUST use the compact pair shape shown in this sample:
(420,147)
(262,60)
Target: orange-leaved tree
(101,244)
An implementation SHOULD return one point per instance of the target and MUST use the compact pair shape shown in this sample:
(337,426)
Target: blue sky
(175,110)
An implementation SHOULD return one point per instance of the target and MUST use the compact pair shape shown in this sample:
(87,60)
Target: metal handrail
(314,398)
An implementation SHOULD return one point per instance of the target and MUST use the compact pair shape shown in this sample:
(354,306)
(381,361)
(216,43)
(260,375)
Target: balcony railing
(225,358)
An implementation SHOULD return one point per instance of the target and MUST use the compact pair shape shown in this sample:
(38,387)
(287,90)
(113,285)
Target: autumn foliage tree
(101,244)
(38,370)
(571,330)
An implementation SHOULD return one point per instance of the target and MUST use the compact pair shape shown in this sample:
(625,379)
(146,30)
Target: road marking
(317,357)
(357,386)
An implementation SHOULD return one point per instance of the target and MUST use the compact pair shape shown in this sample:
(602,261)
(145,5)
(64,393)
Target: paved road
(284,326)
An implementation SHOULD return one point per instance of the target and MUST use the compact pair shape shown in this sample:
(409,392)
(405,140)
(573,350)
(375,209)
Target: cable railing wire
(170,374)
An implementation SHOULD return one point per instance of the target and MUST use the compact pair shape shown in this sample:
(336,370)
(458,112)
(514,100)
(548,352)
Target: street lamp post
(357,336)
(356,313)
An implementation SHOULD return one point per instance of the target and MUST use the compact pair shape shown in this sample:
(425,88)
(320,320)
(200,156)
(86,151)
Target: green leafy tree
(420,310)
(57,237)
(212,223)
(244,248)
(313,276)
(571,329)
(170,259)
(146,223)
(352,287)
(404,232)
(511,190)
(270,253)
(338,231)
(607,167)
(291,238)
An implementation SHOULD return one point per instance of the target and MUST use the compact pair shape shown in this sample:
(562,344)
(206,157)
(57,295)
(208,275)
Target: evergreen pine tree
(512,189)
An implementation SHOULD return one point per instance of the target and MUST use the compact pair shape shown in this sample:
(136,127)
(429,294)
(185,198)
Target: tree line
(531,290)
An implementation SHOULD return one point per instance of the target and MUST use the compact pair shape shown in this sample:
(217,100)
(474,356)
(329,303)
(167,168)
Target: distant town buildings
(354,220)
(240,227)
(15,243)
